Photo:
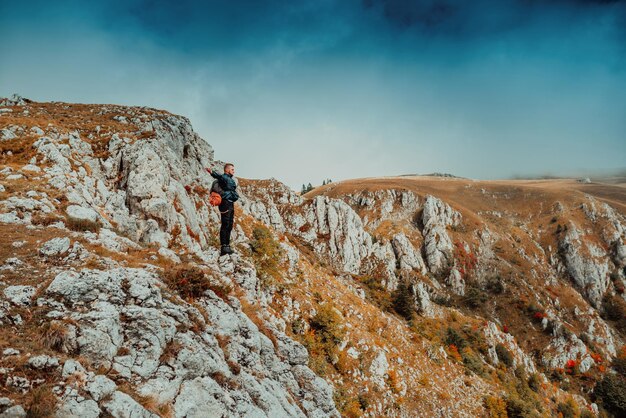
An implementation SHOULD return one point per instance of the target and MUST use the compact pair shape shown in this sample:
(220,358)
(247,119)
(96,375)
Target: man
(228,185)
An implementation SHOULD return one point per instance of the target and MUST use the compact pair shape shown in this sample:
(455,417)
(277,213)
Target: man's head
(229,169)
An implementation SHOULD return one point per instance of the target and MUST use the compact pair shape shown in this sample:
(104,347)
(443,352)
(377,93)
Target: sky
(304,91)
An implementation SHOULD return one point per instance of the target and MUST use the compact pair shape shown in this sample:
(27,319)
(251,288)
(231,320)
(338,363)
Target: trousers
(227,210)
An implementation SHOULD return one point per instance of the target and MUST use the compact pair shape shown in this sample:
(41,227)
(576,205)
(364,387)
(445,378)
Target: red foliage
(505,328)
(540,315)
(454,352)
(467,260)
(596,357)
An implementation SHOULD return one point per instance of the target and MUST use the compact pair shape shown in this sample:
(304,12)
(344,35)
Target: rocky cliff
(385,297)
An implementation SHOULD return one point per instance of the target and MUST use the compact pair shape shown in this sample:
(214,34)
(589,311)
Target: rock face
(408,258)
(123,322)
(436,216)
(330,226)
(587,265)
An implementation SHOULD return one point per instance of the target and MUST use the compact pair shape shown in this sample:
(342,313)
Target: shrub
(192,282)
(534,383)
(568,409)
(403,302)
(475,298)
(266,254)
(377,293)
(328,325)
(504,355)
(81,225)
(495,285)
(496,407)
(611,391)
(454,338)
(473,362)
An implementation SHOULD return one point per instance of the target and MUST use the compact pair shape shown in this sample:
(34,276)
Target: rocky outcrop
(586,263)
(225,367)
(408,258)
(436,216)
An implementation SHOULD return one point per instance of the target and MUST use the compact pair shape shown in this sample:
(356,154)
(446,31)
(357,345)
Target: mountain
(407,296)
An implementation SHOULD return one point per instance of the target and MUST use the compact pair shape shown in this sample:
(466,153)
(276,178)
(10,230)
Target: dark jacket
(228,185)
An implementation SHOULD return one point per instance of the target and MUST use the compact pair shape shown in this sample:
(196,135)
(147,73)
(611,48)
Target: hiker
(227,183)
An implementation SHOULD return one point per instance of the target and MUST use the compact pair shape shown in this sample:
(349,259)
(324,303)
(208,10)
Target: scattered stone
(19,295)
(55,247)
(82,213)
(10,352)
(43,362)
(14,412)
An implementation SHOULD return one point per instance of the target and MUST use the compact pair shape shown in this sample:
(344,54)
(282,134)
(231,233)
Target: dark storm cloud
(480,17)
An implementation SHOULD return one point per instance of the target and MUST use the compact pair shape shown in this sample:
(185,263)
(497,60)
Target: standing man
(228,184)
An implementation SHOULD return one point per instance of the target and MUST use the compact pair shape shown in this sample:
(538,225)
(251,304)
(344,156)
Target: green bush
(403,302)
(475,298)
(611,391)
(453,337)
(473,362)
(518,408)
(534,383)
(504,355)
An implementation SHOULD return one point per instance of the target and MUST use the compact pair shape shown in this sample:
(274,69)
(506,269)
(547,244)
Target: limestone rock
(55,247)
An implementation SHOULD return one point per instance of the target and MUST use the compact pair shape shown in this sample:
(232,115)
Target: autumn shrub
(495,407)
(453,337)
(266,255)
(473,362)
(192,282)
(328,325)
(568,409)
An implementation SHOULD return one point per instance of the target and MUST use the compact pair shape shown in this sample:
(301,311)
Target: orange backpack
(215,199)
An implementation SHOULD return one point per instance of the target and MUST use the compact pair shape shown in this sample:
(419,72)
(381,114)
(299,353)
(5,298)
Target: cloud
(308,90)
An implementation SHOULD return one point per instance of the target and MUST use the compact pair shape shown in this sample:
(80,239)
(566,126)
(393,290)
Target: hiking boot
(226,250)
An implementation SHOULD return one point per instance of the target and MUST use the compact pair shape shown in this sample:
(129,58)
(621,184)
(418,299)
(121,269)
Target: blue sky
(308,90)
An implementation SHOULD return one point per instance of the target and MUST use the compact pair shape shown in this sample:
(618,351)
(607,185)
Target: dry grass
(82,225)
(43,402)
(54,336)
